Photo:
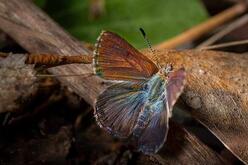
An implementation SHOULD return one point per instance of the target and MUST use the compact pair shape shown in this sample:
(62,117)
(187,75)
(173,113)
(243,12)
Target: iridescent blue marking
(155,95)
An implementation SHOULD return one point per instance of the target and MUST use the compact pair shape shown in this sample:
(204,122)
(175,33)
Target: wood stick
(204,27)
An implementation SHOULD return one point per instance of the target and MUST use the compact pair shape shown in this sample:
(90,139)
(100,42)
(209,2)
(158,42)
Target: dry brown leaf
(217,93)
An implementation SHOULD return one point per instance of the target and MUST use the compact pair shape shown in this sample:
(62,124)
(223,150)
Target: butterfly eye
(168,69)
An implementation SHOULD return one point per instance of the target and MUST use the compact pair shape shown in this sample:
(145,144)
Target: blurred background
(161,19)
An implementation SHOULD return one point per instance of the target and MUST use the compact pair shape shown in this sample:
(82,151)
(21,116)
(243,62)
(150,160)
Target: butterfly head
(164,71)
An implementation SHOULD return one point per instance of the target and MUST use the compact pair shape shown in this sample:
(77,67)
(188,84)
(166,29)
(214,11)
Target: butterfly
(140,103)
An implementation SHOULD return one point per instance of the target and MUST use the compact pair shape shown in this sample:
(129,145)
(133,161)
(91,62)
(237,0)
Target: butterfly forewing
(117,108)
(116,59)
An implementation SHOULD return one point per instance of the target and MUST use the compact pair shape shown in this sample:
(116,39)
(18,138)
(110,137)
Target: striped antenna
(149,45)
(147,41)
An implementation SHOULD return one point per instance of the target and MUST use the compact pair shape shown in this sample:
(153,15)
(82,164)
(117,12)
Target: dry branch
(213,89)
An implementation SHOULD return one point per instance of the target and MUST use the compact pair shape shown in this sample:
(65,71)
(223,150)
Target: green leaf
(161,19)
(40,3)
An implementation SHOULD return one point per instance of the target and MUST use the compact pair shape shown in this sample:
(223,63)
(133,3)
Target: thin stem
(229,28)
(61,75)
(224,45)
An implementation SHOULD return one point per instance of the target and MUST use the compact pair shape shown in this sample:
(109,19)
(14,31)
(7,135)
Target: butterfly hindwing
(156,130)
(115,59)
(176,82)
(155,133)
(118,107)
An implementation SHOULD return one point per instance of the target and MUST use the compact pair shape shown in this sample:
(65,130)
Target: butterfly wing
(115,59)
(176,82)
(154,135)
(118,107)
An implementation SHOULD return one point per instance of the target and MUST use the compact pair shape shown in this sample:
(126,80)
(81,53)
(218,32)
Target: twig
(203,28)
(55,60)
(70,75)
(224,45)
(224,31)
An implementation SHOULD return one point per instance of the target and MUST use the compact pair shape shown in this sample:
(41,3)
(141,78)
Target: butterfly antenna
(149,44)
(147,41)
